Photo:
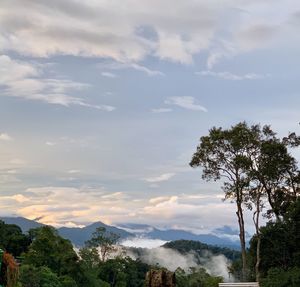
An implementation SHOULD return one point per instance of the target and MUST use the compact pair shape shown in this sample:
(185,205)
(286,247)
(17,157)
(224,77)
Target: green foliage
(184,246)
(196,277)
(115,272)
(280,278)
(50,250)
(251,157)
(31,276)
(48,278)
(125,272)
(67,281)
(104,241)
(223,154)
(89,258)
(90,262)
(278,173)
(280,246)
(12,239)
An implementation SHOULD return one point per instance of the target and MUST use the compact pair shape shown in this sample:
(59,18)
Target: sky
(103,102)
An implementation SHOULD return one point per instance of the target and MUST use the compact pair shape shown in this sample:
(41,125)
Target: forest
(258,172)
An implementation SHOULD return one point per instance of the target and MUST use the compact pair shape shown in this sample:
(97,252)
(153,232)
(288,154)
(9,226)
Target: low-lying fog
(171,259)
(143,242)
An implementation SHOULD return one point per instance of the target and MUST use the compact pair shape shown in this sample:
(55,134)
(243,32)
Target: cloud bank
(133,30)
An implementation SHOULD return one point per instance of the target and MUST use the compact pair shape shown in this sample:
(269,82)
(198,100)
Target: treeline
(185,246)
(48,260)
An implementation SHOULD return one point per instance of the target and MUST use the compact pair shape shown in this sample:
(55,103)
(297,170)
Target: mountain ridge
(79,235)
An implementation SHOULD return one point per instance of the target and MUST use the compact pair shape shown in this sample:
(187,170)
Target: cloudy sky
(103,102)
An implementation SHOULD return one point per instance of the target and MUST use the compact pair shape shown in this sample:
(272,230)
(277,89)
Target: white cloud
(160,178)
(156,200)
(169,258)
(231,76)
(220,50)
(113,195)
(108,75)
(25,80)
(8,179)
(49,143)
(198,212)
(141,28)
(74,171)
(252,26)
(146,70)
(101,29)
(20,198)
(113,65)
(5,137)
(142,242)
(59,205)
(161,110)
(17,162)
(255,35)
(185,102)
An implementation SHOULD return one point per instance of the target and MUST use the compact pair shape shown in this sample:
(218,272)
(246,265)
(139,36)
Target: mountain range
(224,236)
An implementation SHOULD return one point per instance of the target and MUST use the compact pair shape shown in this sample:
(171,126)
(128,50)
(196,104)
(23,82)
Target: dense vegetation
(185,246)
(196,277)
(280,250)
(48,260)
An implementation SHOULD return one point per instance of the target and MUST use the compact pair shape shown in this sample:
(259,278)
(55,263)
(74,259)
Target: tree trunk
(257,272)
(256,223)
(240,216)
(272,204)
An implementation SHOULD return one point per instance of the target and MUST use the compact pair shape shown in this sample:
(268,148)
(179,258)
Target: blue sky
(102,103)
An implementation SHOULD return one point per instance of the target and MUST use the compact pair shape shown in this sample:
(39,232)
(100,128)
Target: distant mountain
(136,228)
(223,237)
(24,223)
(79,236)
(231,234)
(172,234)
(215,238)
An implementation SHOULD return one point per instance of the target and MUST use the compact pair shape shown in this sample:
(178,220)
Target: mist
(141,242)
(216,265)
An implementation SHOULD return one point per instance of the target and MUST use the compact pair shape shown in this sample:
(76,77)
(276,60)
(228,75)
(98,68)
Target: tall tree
(223,155)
